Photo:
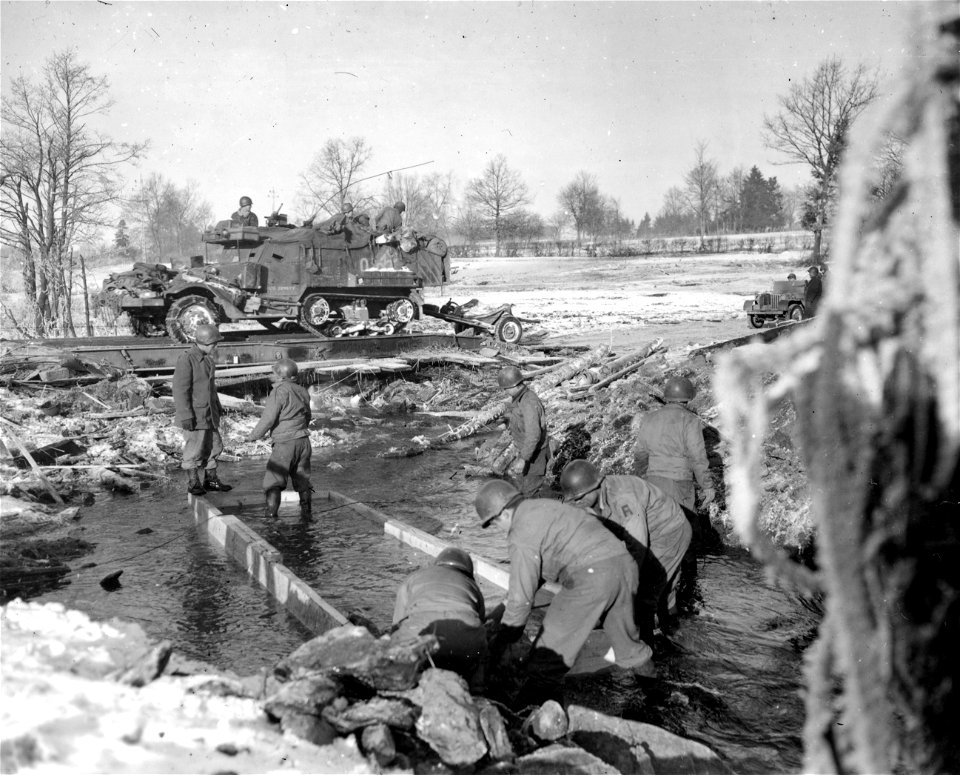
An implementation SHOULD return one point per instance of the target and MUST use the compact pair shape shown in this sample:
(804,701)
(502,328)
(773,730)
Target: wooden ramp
(265,564)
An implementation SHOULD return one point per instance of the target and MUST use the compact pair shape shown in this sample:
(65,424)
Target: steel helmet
(207,334)
(400,206)
(455,558)
(578,478)
(678,390)
(814,270)
(493,498)
(509,376)
(346,208)
(286,368)
(246,201)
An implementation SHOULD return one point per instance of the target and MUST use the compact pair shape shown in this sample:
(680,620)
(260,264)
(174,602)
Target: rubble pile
(101,697)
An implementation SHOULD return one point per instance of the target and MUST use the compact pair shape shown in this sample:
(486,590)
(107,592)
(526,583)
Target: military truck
(784,302)
(350,283)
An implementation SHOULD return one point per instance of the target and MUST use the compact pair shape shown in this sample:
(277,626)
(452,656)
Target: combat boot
(212,482)
(272,508)
(193,482)
(306,504)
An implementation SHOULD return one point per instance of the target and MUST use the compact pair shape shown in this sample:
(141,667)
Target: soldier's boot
(306,503)
(193,482)
(272,507)
(212,482)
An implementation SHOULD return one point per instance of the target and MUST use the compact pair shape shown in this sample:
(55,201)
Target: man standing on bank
(649,521)
(551,541)
(286,417)
(198,411)
(528,429)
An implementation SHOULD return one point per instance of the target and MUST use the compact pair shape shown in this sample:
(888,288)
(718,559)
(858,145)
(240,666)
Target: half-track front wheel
(314,313)
(755,321)
(509,330)
(187,313)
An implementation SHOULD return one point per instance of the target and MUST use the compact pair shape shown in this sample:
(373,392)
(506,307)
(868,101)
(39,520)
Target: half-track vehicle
(348,283)
(784,302)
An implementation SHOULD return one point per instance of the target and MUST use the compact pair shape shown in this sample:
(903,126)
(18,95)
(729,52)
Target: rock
(548,722)
(308,727)
(149,667)
(310,695)
(377,741)
(219,686)
(494,730)
(631,746)
(449,721)
(557,759)
(354,651)
(379,710)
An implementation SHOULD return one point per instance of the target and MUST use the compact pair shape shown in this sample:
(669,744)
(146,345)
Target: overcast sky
(237,97)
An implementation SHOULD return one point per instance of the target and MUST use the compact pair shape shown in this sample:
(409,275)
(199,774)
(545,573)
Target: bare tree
(889,163)
(170,218)
(702,188)
(439,192)
(336,168)
(497,192)
(59,175)
(470,224)
(557,223)
(729,205)
(581,199)
(811,127)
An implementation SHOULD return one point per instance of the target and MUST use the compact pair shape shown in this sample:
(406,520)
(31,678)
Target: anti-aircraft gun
(349,283)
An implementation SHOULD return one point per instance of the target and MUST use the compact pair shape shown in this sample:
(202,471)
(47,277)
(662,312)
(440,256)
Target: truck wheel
(187,313)
(314,312)
(755,321)
(795,312)
(508,329)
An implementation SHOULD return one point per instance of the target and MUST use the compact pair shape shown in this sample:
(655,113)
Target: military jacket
(437,593)
(549,540)
(646,512)
(528,425)
(670,444)
(195,389)
(286,415)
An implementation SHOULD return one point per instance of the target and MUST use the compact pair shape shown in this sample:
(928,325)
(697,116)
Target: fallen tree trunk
(493,411)
(628,363)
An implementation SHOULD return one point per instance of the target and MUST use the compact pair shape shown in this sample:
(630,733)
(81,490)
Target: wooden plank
(429,544)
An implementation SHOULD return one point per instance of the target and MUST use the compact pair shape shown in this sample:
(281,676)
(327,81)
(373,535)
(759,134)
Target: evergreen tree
(762,202)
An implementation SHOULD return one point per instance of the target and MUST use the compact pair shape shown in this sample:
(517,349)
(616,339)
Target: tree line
(62,184)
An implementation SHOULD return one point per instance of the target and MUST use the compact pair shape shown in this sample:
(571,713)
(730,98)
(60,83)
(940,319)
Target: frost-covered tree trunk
(876,383)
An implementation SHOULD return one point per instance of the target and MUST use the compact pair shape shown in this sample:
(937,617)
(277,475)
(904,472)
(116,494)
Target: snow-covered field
(685,301)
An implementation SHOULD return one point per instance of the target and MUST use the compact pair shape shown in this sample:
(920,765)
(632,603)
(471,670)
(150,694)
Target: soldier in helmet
(551,541)
(649,521)
(243,216)
(286,417)
(198,411)
(337,223)
(444,599)
(528,428)
(670,453)
(389,219)
(812,292)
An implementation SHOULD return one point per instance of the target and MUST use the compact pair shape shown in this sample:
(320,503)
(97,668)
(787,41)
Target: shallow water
(730,677)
